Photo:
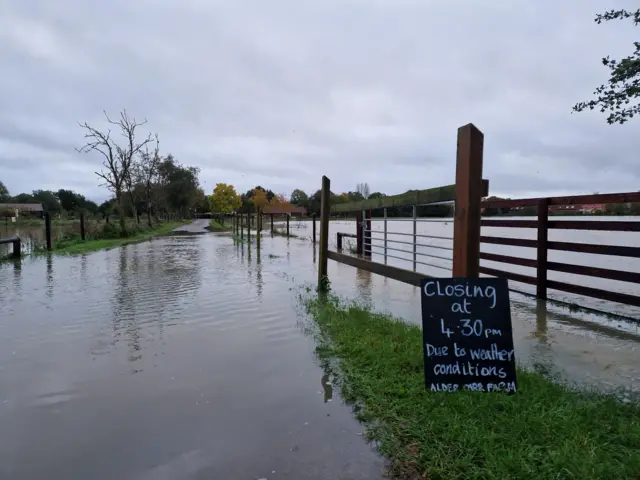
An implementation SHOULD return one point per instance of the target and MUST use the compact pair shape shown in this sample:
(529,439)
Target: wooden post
(241,220)
(314,228)
(287,225)
(339,241)
(47,228)
(359,242)
(248,228)
(466,224)
(324,234)
(543,237)
(16,248)
(271,217)
(258,228)
(367,234)
(82,235)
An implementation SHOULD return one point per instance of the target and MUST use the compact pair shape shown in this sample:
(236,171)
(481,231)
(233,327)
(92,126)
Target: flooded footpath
(186,357)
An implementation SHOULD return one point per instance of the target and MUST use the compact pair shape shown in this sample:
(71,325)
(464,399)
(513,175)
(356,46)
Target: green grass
(545,431)
(76,246)
(216,226)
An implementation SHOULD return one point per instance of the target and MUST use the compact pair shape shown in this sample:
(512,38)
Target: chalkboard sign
(466,335)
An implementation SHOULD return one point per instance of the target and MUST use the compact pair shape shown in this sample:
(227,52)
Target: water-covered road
(186,357)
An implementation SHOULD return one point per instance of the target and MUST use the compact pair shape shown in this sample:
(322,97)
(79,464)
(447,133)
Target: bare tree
(363,189)
(148,165)
(117,158)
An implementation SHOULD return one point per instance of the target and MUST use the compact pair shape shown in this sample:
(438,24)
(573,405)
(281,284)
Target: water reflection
(259,274)
(363,284)
(327,387)
(541,322)
(49,276)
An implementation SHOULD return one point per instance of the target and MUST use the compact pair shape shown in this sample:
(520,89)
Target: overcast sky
(280,92)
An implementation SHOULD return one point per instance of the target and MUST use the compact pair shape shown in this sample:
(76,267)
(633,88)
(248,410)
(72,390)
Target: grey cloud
(279,93)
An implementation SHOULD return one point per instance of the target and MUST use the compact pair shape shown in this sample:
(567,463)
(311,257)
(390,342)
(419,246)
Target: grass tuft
(545,431)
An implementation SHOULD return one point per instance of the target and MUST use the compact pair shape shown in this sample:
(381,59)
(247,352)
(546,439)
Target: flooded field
(185,357)
(33,236)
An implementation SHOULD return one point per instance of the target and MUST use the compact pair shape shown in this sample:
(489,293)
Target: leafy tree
(298,197)
(224,199)
(179,185)
(259,199)
(48,199)
(4,193)
(621,96)
(71,201)
(377,195)
(24,198)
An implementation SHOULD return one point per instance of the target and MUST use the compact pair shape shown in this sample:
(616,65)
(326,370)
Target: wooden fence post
(47,228)
(16,248)
(324,234)
(339,241)
(287,225)
(258,227)
(82,233)
(241,225)
(271,217)
(359,242)
(466,225)
(543,237)
(314,228)
(248,228)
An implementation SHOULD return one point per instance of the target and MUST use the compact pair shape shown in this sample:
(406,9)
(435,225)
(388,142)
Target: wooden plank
(629,197)
(595,249)
(468,195)
(516,277)
(324,233)
(416,197)
(515,242)
(9,240)
(595,293)
(405,276)
(620,275)
(608,225)
(510,223)
(524,262)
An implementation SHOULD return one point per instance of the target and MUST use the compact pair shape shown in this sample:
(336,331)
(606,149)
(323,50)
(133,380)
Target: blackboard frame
(467,336)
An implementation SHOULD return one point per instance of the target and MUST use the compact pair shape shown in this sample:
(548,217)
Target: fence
(459,253)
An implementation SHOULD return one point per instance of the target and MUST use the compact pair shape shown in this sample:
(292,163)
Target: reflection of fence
(542,245)
(462,250)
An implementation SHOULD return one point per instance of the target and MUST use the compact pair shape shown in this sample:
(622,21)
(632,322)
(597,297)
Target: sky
(280,92)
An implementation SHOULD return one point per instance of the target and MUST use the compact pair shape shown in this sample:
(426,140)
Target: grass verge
(77,246)
(216,226)
(545,431)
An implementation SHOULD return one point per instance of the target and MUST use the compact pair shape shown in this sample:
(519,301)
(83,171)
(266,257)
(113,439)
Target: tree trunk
(123,226)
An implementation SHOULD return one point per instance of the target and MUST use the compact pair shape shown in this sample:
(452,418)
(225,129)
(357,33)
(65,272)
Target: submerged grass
(76,245)
(216,226)
(545,431)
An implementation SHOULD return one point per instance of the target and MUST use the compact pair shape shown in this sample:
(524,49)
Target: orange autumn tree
(259,199)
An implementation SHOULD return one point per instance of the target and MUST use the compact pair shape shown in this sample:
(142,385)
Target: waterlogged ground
(186,357)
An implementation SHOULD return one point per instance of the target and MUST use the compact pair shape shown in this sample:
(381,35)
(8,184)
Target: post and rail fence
(460,254)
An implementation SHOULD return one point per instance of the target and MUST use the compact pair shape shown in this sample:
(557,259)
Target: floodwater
(186,357)
(33,236)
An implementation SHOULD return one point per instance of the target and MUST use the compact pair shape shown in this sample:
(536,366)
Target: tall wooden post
(466,224)
(47,228)
(82,235)
(288,225)
(324,234)
(258,227)
(543,237)
(271,217)
(339,241)
(359,239)
(241,225)
(313,236)
(248,228)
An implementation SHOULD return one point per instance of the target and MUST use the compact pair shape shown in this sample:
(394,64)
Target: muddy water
(177,358)
(184,357)
(33,236)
